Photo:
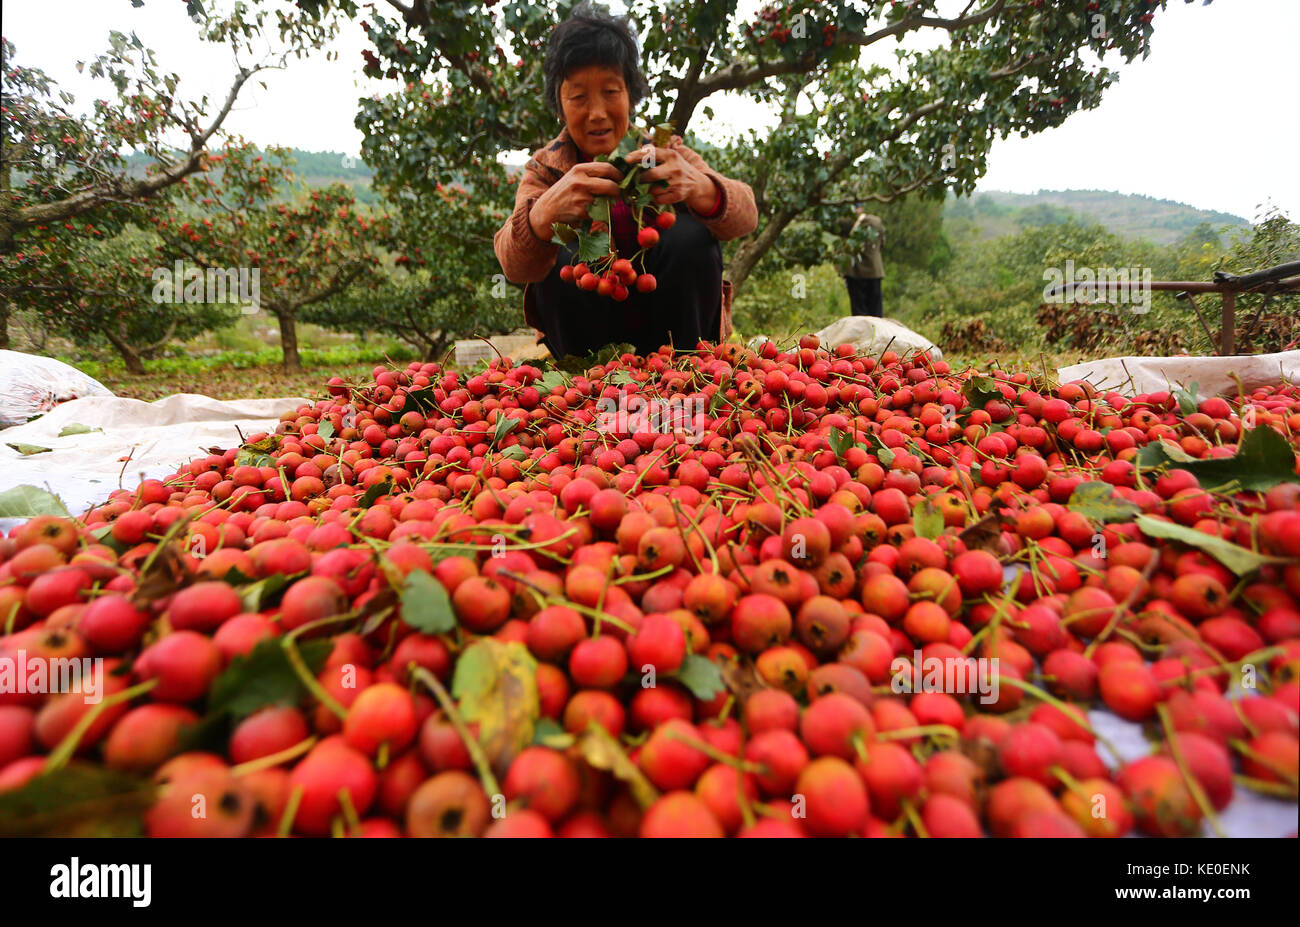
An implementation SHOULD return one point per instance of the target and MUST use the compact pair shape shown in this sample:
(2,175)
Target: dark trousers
(864,296)
(685,306)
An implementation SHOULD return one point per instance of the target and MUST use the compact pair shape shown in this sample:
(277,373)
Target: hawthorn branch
(120,190)
(738,75)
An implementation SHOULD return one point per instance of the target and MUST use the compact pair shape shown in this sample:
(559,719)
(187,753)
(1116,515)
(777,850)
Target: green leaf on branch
(702,676)
(383,487)
(265,677)
(548,733)
(551,379)
(78,800)
(257,596)
(566,233)
(1097,502)
(514,452)
(598,211)
(258,453)
(419,400)
(426,606)
(1187,399)
(1160,453)
(30,501)
(504,426)
(1263,460)
(592,247)
(840,441)
(1235,557)
(979,391)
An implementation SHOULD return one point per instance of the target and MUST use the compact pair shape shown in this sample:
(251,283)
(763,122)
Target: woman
(592,84)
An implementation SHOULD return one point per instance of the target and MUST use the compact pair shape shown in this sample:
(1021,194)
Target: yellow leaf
(602,751)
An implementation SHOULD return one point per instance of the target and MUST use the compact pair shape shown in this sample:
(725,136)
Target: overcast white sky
(1208,119)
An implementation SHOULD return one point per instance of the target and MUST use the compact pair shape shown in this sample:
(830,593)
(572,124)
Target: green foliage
(337,356)
(469,83)
(439,281)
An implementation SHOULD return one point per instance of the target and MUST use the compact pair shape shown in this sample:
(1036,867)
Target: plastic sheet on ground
(32,385)
(82,469)
(871,335)
(1213,376)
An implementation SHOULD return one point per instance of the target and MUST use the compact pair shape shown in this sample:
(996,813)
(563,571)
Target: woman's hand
(686,183)
(568,199)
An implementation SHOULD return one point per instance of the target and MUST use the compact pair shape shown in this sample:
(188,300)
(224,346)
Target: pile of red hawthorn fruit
(519,624)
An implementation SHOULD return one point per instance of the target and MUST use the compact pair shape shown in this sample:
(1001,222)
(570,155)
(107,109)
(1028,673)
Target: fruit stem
(1068,710)
(320,622)
(472,745)
(591,613)
(1122,607)
(717,755)
(310,682)
(1276,789)
(60,755)
(273,759)
(1244,749)
(1070,782)
(643,577)
(1193,786)
(914,818)
(290,812)
(600,600)
(920,730)
(713,554)
(349,812)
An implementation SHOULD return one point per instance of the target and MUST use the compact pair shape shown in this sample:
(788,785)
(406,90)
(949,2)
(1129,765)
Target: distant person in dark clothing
(866,270)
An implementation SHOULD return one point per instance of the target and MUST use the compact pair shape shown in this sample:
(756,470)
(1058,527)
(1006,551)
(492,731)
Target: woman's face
(595,104)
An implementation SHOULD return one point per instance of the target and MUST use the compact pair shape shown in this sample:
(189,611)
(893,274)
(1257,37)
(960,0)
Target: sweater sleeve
(524,257)
(738,214)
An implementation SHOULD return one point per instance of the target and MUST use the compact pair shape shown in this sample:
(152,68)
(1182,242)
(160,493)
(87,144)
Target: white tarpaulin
(1214,376)
(870,336)
(82,469)
(32,385)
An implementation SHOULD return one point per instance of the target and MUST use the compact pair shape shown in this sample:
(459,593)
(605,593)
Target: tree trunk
(130,357)
(289,342)
(751,252)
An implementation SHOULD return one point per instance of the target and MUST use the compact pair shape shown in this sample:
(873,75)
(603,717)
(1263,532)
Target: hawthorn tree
(440,281)
(58,166)
(96,289)
(304,251)
(470,83)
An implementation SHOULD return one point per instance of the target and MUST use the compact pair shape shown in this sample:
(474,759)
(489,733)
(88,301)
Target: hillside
(997,213)
(313,168)
(993,213)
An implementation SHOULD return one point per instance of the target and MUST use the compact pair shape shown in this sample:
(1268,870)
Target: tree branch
(118,190)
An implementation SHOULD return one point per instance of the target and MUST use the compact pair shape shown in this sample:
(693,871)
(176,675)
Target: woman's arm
(737,214)
(525,257)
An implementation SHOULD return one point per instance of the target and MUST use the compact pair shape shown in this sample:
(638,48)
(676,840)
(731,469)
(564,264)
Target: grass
(244,374)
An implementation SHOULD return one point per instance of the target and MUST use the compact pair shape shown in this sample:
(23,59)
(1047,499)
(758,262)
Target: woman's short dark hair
(591,36)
